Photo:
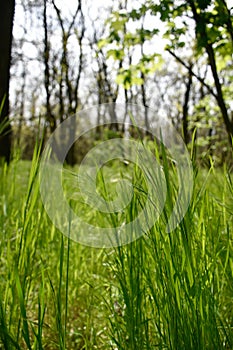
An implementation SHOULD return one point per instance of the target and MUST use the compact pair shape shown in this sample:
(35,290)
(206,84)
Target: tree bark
(50,117)
(229,19)
(66,78)
(201,32)
(186,106)
(6,25)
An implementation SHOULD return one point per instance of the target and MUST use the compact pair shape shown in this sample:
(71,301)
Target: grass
(164,291)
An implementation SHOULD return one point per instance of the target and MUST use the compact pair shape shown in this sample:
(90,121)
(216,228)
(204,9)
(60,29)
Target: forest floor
(163,291)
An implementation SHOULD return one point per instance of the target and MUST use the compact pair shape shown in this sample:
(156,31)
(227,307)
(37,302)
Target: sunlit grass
(163,291)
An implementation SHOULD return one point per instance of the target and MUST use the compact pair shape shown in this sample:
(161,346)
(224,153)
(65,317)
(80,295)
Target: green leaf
(116,54)
(102,43)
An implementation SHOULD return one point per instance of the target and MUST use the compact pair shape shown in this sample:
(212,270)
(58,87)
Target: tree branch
(209,88)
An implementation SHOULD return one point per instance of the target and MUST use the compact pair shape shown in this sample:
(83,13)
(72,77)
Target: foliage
(191,29)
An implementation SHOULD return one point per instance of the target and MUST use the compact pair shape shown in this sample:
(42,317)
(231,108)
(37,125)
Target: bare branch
(201,80)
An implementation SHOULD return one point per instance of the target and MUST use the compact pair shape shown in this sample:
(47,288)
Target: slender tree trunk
(6,25)
(229,19)
(220,98)
(201,32)
(186,105)
(50,117)
(66,79)
(143,88)
(22,105)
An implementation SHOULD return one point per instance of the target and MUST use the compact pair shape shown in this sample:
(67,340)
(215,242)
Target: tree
(6,26)
(198,27)
(205,39)
(50,116)
(69,78)
(213,37)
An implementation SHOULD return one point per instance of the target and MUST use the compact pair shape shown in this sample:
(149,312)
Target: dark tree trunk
(201,33)
(50,116)
(186,106)
(6,24)
(66,76)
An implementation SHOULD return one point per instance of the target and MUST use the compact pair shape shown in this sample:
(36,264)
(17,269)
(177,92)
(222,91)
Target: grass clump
(163,291)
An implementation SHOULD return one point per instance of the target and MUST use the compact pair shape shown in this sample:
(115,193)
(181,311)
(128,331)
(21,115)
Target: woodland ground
(163,291)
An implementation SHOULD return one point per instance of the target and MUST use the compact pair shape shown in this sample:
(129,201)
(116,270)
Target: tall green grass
(163,291)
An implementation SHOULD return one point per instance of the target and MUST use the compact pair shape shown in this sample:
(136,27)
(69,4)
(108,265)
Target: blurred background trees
(173,56)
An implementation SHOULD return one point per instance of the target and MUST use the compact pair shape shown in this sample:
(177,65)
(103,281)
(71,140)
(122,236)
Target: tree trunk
(6,26)
(50,116)
(186,106)
(201,32)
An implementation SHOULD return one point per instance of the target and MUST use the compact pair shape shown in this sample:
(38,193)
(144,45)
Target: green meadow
(163,291)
